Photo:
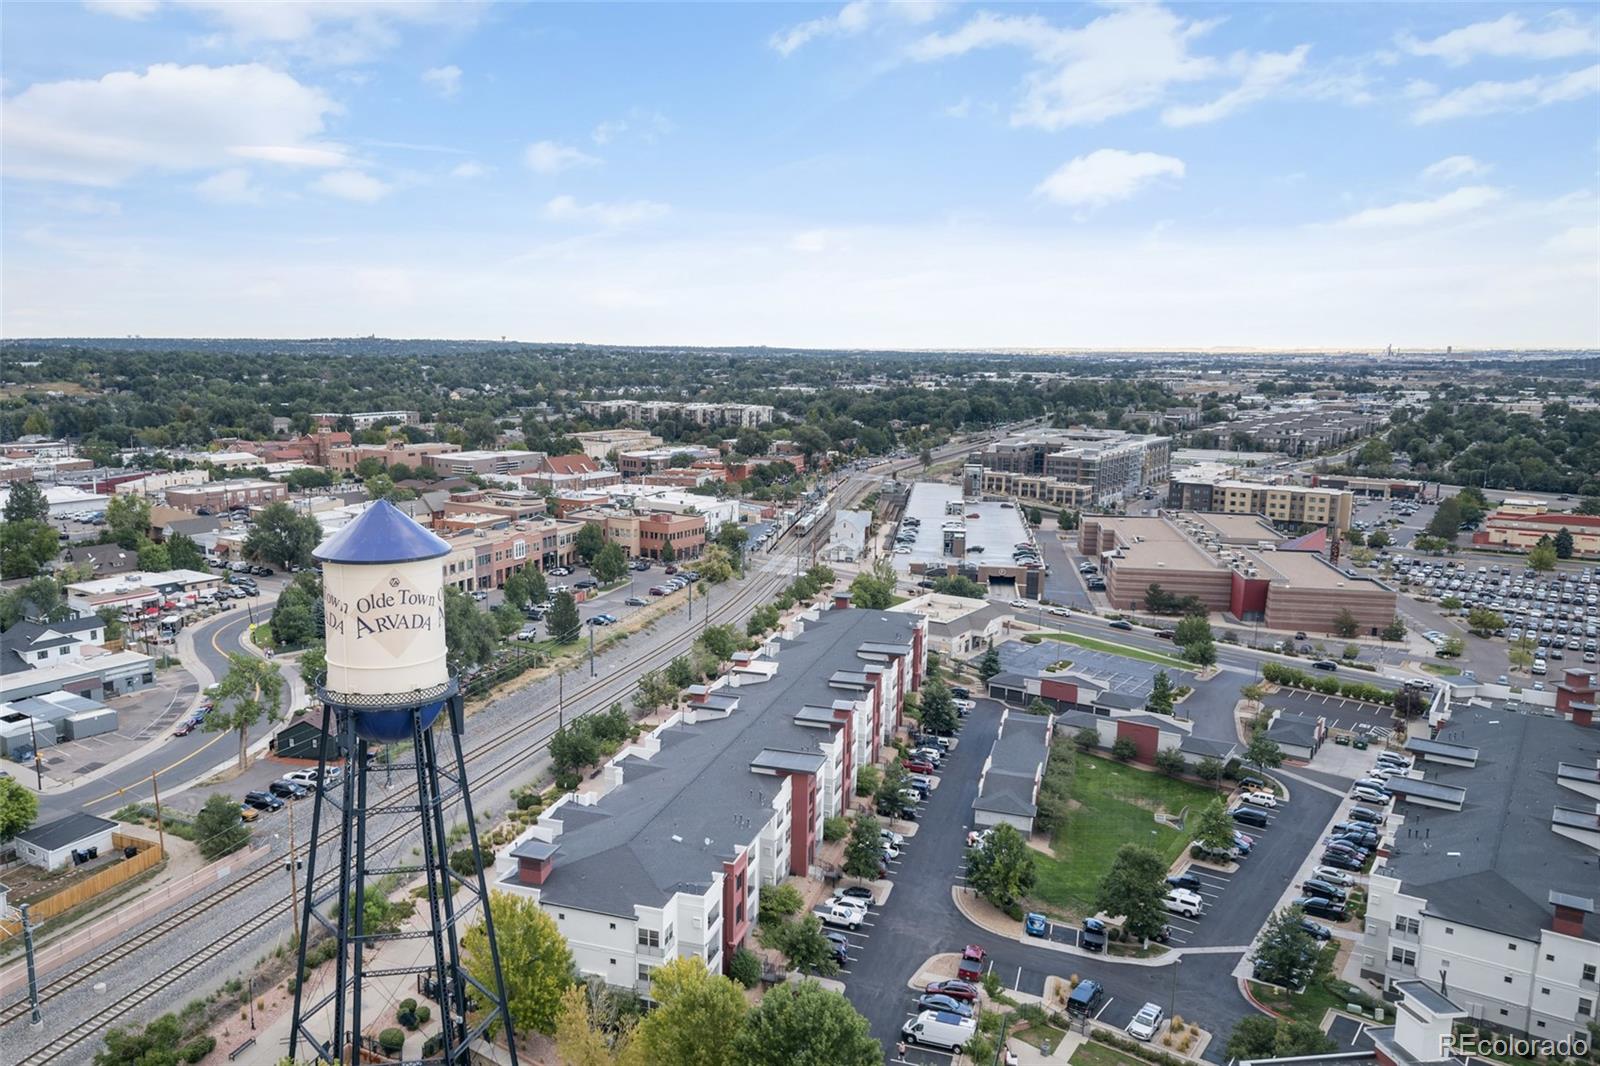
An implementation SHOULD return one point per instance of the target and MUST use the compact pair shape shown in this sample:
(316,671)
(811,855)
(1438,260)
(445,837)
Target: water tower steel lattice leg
(452,986)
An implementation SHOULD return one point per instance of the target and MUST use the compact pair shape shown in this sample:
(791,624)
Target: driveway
(920,919)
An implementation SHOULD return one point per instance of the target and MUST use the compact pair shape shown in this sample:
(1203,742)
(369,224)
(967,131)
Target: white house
(51,846)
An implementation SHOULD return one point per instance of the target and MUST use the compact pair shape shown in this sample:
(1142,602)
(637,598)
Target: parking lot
(1340,712)
(1118,673)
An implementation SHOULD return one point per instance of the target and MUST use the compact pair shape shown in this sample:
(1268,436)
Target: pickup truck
(839,915)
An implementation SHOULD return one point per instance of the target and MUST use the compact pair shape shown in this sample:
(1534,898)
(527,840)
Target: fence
(57,952)
(149,853)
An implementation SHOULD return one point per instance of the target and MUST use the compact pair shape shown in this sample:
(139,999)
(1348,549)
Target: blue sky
(872,174)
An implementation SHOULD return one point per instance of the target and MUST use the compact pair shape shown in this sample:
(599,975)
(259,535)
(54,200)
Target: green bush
(467,862)
(835,828)
(568,780)
(197,1049)
(745,968)
(432,1046)
(392,1040)
(424,1012)
(406,1013)
(779,902)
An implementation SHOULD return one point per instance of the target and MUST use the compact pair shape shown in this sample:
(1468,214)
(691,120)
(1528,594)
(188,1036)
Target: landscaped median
(1111,648)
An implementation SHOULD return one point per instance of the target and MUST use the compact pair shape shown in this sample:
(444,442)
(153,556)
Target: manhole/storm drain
(86,767)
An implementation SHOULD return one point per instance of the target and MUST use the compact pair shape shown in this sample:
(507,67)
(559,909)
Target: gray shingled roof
(679,815)
(1018,754)
(1493,863)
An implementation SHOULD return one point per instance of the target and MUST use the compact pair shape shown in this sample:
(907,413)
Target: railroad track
(599,693)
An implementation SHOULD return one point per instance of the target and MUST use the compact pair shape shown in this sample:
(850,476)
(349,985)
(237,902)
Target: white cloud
(1262,75)
(1125,60)
(1107,176)
(1493,97)
(811,241)
(614,213)
(1509,37)
(446,81)
(126,9)
(549,157)
(1454,168)
(852,19)
(232,186)
(1463,201)
(1581,241)
(960,109)
(86,204)
(169,118)
(644,124)
(304,155)
(351,185)
(469,169)
(327,31)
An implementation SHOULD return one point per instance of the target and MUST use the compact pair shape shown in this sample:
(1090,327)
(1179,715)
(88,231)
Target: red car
(184,729)
(971,966)
(961,990)
(918,766)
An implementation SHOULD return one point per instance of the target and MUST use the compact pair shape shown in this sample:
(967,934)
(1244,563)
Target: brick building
(225,495)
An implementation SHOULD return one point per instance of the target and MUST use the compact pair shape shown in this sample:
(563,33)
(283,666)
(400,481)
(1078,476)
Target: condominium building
(1487,872)
(1305,429)
(732,415)
(1110,464)
(368,419)
(1294,504)
(484,555)
(1037,489)
(666,853)
(1236,565)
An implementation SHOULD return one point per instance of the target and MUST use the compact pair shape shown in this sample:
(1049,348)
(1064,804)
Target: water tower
(388,684)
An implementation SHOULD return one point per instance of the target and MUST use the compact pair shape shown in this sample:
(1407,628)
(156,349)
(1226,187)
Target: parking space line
(1110,1000)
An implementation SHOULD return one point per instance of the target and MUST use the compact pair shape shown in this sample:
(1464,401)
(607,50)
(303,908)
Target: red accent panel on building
(1058,690)
(802,839)
(735,902)
(1247,594)
(1145,738)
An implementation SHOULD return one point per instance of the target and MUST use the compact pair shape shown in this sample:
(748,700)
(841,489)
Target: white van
(1539,667)
(939,1029)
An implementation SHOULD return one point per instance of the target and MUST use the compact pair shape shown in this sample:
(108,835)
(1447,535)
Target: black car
(1366,814)
(1320,908)
(1185,880)
(586,583)
(861,892)
(263,801)
(287,790)
(1340,860)
(841,946)
(960,692)
(1316,930)
(1093,935)
(1122,624)
(1253,784)
(1323,890)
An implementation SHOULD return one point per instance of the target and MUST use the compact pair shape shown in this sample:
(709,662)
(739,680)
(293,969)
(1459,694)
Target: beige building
(600,443)
(1302,504)
(1036,488)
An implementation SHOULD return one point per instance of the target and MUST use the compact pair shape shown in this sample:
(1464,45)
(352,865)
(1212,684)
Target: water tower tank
(383,602)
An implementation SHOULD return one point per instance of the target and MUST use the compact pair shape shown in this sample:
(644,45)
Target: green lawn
(1116,649)
(1034,1034)
(1113,805)
(1092,1053)
(1441,669)
(1324,992)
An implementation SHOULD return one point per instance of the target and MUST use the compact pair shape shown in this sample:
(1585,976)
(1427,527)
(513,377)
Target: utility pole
(561,687)
(38,763)
(591,647)
(161,829)
(294,880)
(34,1018)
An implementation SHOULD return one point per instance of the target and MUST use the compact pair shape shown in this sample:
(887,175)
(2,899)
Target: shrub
(835,828)
(745,968)
(406,1013)
(392,1040)
(424,1012)
(526,800)
(779,902)
(568,780)
(467,862)
(197,1049)
(432,1046)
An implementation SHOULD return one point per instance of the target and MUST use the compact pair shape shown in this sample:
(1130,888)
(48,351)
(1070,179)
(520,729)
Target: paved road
(920,919)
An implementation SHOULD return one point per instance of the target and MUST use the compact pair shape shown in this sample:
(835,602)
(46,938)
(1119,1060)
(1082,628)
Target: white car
(1182,901)
(890,851)
(1023,604)
(1261,799)
(889,836)
(1333,876)
(966,705)
(1059,612)
(851,902)
(1147,1022)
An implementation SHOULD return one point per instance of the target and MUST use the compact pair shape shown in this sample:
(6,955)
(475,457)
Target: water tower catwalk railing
(468,1009)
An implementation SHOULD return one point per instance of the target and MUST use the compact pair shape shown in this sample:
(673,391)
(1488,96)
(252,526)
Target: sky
(884,175)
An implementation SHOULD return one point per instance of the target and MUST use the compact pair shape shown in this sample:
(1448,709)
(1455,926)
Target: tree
(282,536)
(715,566)
(804,1024)
(534,960)
(1214,828)
(563,622)
(1355,537)
(1124,749)
(1452,647)
(781,901)
(1394,631)
(469,634)
(26,547)
(1345,624)
(1409,702)
(1192,629)
(958,585)
(1520,652)
(1253,1037)
(313,664)
(1297,1039)
(697,1017)
(1171,762)
(1379,538)
(218,829)
(1158,600)
(680,673)
(1067,520)
(732,537)
(873,589)
(1201,653)
(1589,505)
(251,690)
(1543,556)
(1035,517)
(750,442)
(580,1039)
(1001,869)
(538,585)
(184,554)
(865,849)
(1563,543)
(128,519)
(1161,694)
(938,708)
(1135,887)
(507,620)
(669,554)
(1209,769)
(26,503)
(157,1044)
(292,621)
(610,564)
(925,457)
(802,943)
(1263,752)
(1446,521)
(989,665)
(1483,621)
(590,539)
(19,807)
(153,557)
(515,590)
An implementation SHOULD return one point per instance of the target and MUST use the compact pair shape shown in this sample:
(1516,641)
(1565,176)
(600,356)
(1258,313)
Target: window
(666,938)
(1406,924)
(1404,956)
(1585,1006)
(1508,979)
(1544,991)
(644,972)
(649,938)
(1588,971)
(42,655)
(1511,947)
(1449,930)
(1504,1013)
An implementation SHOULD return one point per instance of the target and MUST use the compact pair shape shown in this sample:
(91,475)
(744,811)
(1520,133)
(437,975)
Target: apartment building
(1487,872)
(368,419)
(485,463)
(1305,429)
(225,495)
(1236,565)
(732,415)
(668,851)
(560,473)
(600,443)
(1522,527)
(345,460)
(1297,504)
(483,555)
(1112,464)
(1378,488)
(1036,489)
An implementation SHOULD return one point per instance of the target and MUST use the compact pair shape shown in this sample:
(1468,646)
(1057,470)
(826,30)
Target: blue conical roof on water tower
(384,535)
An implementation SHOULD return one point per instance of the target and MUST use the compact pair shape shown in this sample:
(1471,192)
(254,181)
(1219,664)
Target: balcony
(646,951)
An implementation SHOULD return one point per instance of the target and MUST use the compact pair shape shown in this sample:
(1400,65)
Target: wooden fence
(149,855)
